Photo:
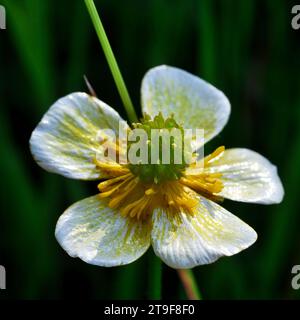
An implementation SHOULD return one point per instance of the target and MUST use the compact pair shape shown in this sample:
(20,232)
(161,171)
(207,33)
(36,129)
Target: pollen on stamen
(136,198)
(150,191)
(207,184)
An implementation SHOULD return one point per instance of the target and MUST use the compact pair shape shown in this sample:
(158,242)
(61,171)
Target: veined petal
(67,139)
(247,176)
(98,235)
(186,241)
(194,102)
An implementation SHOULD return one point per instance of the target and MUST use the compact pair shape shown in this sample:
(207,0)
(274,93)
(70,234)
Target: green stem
(111,60)
(189,283)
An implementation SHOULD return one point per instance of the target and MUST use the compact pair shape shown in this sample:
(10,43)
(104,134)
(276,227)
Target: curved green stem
(111,60)
(189,283)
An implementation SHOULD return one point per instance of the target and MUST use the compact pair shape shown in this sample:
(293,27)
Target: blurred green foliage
(246,48)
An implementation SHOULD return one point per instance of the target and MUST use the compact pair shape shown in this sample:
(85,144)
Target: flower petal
(186,241)
(101,236)
(195,103)
(68,137)
(247,176)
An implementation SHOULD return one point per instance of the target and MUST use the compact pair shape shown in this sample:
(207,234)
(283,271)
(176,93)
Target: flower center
(137,198)
(164,150)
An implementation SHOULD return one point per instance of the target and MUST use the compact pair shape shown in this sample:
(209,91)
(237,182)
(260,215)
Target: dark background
(246,48)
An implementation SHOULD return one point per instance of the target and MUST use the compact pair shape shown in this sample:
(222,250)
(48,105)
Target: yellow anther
(215,154)
(203,182)
(134,199)
(150,191)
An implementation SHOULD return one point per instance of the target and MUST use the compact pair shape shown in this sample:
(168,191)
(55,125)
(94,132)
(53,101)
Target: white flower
(181,216)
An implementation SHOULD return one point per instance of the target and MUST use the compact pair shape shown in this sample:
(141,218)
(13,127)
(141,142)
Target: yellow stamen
(128,187)
(137,199)
(214,155)
(150,191)
(207,184)
(112,169)
(103,185)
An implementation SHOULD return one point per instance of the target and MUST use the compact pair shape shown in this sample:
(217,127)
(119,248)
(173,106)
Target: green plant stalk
(111,61)
(189,283)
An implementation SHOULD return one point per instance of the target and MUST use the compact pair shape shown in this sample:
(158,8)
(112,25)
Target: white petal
(68,137)
(101,236)
(187,241)
(195,103)
(247,176)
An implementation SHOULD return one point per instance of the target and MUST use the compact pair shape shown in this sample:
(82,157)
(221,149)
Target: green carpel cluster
(160,170)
